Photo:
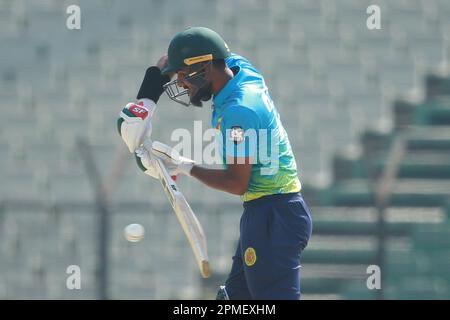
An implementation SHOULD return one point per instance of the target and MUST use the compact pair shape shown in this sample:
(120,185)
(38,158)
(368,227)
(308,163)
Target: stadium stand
(344,94)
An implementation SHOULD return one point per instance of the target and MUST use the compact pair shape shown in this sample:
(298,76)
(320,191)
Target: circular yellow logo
(250,256)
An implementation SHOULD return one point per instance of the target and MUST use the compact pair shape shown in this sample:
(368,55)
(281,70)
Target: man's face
(196,80)
(181,75)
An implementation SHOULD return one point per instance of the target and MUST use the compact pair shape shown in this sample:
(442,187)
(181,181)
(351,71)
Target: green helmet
(194,45)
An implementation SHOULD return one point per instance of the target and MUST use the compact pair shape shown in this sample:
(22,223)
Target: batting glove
(174,163)
(146,161)
(134,124)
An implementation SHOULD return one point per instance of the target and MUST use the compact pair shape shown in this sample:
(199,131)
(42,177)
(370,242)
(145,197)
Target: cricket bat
(189,222)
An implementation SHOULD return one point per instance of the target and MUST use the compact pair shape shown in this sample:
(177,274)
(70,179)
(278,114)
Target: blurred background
(367,112)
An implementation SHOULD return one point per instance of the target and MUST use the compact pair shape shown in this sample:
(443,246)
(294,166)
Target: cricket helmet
(195,48)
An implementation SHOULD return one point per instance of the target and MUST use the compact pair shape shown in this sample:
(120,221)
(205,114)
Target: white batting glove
(134,123)
(146,161)
(174,163)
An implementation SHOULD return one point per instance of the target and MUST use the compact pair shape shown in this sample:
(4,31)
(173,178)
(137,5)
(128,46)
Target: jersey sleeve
(240,128)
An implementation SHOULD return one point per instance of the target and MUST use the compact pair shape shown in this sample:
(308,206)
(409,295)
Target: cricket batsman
(259,164)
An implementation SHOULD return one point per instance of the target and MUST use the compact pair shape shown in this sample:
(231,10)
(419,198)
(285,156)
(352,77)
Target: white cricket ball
(134,232)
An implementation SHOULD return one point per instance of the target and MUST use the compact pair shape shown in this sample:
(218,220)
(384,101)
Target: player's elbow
(238,178)
(238,191)
(239,188)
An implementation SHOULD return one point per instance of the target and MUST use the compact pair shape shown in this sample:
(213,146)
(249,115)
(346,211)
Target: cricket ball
(134,232)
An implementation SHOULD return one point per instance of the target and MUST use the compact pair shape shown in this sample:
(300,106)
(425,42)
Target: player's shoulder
(240,109)
(235,60)
(248,82)
(246,101)
(241,114)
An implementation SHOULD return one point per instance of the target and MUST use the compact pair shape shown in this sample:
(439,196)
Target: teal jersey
(249,126)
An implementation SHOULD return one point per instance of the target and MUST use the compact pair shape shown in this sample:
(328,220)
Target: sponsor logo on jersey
(237,134)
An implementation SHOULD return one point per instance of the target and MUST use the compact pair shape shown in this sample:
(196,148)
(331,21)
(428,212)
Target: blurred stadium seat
(328,75)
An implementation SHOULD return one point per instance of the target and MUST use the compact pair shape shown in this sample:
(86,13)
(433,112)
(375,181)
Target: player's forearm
(220,179)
